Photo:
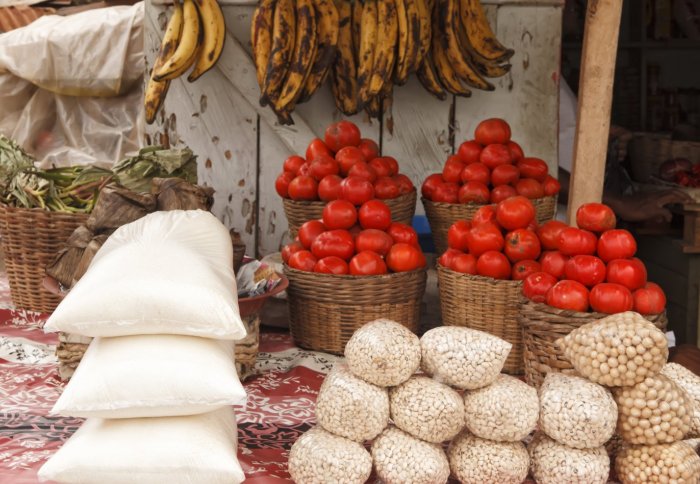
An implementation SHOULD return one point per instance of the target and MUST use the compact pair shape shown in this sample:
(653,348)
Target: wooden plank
(594,103)
(527,97)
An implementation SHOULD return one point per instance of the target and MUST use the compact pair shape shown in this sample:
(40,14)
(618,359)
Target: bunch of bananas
(368,46)
(194,38)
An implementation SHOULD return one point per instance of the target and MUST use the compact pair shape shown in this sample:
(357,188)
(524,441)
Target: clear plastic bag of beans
(555,463)
(476,460)
(676,463)
(690,382)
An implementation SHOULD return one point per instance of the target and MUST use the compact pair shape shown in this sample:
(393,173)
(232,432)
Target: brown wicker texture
(402,210)
(442,215)
(30,239)
(543,325)
(325,310)
(486,304)
(246,349)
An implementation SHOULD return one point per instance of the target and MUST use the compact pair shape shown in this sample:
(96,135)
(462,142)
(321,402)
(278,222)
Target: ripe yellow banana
(357,9)
(368,47)
(156,90)
(261,37)
(408,44)
(481,37)
(186,51)
(443,67)
(385,49)
(424,31)
(344,77)
(303,56)
(327,39)
(448,16)
(427,76)
(213,37)
(283,38)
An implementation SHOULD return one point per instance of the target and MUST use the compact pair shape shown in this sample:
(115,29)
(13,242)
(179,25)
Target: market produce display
(368,47)
(473,459)
(555,463)
(194,38)
(681,171)
(690,382)
(677,462)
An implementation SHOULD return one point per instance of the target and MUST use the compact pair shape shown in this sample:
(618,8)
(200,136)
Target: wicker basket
(30,240)
(442,215)
(486,304)
(543,325)
(325,310)
(402,210)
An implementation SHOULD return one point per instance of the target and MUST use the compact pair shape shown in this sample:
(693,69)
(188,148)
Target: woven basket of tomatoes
(586,273)
(487,169)
(342,166)
(348,268)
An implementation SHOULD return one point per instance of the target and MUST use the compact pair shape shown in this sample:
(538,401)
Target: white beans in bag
(555,463)
(480,461)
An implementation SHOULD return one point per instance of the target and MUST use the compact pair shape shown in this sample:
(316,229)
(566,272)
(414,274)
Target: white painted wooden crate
(241,146)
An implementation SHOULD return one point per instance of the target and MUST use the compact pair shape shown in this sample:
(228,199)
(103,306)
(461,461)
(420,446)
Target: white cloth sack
(166,273)
(173,450)
(152,376)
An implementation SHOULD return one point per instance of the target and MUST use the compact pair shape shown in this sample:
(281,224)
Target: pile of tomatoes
(489,169)
(681,171)
(591,266)
(359,242)
(342,166)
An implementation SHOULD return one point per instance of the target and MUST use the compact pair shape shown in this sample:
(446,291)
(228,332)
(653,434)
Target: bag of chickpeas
(673,463)
(690,382)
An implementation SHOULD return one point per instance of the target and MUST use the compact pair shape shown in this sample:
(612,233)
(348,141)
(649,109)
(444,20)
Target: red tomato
(573,241)
(477,172)
(322,166)
(515,213)
(404,183)
(402,233)
(485,214)
(589,270)
(464,263)
(290,249)
(355,230)
(492,130)
(303,187)
(341,134)
(595,217)
(381,167)
(549,233)
(347,157)
(537,285)
(405,258)
(393,165)
(570,295)
(473,192)
(357,190)
(339,243)
(611,298)
(374,214)
(616,244)
(363,170)
(515,150)
(493,264)
(331,265)
(302,260)
(305,169)
(522,244)
(502,192)
(551,186)
(375,240)
(448,256)
(495,155)
(367,263)
(386,188)
(446,193)
(469,152)
(339,214)
(282,184)
(484,238)
(452,169)
(458,235)
(630,273)
(330,188)
(553,262)
(533,168)
(315,148)
(529,188)
(309,231)
(650,299)
(522,269)
(430,184)
(505,175)
(369,149)
(292,164)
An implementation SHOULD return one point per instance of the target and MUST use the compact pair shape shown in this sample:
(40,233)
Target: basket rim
(348,277)
(476,277)
(546,308)
(312,203)
(5,206)
(472,204)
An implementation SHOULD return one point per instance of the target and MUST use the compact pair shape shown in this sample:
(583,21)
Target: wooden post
(594,102)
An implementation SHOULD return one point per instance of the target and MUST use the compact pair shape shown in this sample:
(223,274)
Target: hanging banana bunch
(194,38)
